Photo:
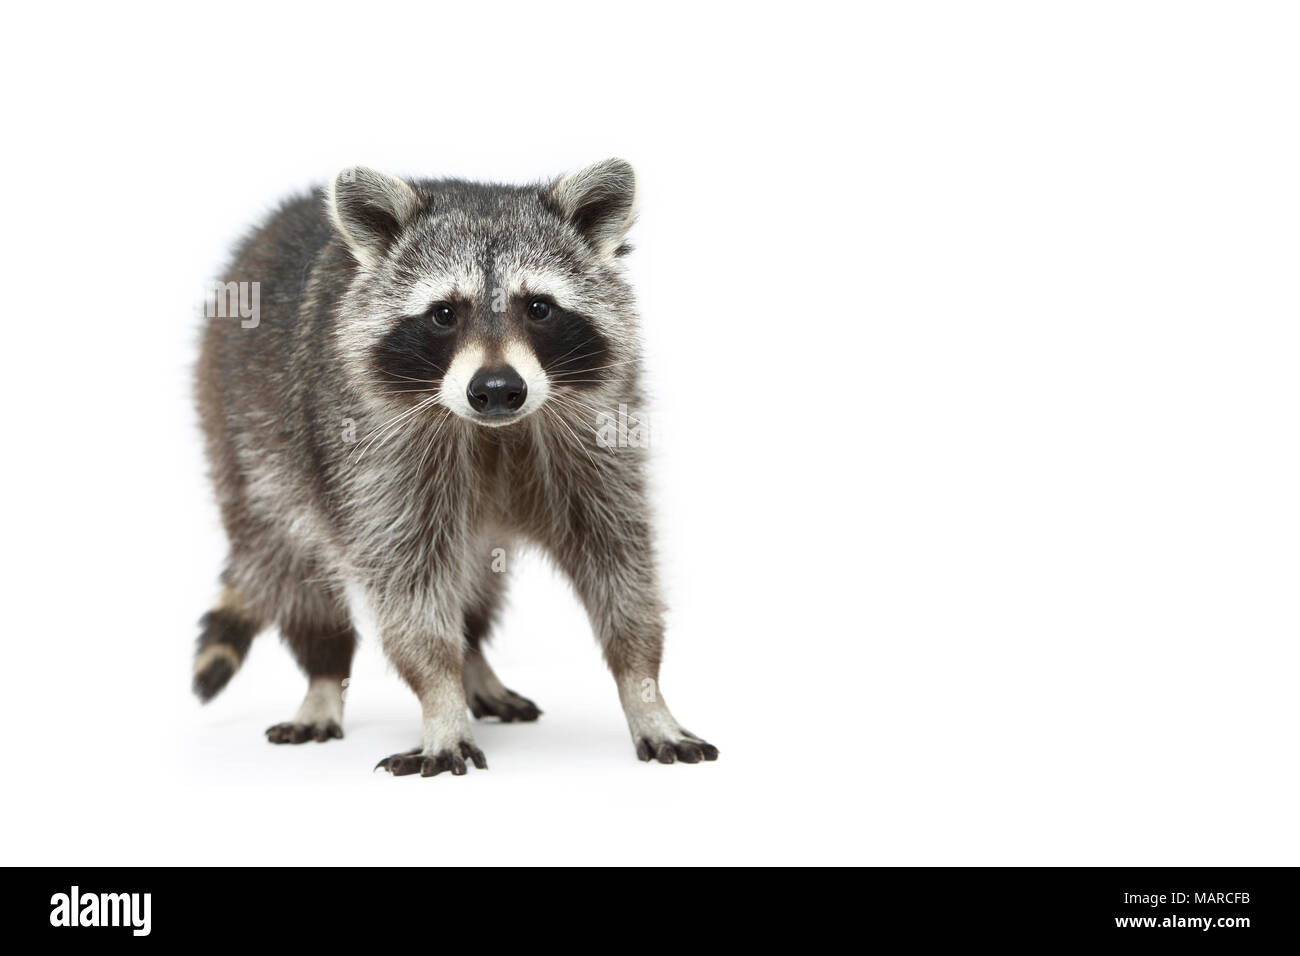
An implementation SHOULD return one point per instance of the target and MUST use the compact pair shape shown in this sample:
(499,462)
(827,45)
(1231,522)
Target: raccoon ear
(369,209)
(599,202)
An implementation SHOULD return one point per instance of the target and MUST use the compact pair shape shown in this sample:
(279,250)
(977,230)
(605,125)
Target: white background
(973,337)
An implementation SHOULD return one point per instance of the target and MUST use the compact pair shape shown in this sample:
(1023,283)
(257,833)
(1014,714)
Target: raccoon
(416,398)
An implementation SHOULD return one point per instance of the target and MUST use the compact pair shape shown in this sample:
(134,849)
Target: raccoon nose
(496,391)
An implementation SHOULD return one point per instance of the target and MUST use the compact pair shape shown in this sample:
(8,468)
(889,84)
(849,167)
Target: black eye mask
(569,348)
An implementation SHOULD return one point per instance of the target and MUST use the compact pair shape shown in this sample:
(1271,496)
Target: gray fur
(409,514)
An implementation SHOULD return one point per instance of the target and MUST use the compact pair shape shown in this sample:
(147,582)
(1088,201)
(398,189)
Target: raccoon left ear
(370,209)
(599,201)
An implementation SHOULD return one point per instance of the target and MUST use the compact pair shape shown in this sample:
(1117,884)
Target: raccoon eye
(444,316)
(537,309)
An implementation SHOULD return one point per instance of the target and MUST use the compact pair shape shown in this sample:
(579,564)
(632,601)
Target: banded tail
(227,632)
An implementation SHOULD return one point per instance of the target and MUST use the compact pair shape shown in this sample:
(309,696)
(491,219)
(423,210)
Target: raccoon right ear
(370,209)
(599,201)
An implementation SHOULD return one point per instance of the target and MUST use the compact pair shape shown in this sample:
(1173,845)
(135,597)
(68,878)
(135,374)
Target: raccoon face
(487,300)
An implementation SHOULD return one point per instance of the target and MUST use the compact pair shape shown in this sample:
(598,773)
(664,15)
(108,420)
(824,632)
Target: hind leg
(488,697)
(319,632)
(484,692)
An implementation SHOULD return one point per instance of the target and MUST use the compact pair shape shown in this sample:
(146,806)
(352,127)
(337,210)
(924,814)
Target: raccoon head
(488,300)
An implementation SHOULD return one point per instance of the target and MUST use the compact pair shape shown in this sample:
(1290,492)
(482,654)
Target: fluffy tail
(227,631)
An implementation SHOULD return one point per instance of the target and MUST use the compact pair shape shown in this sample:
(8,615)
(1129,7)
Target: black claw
(280,733)
(687,752)
(432,766)
(396,761)
(405,767)
(473,754)
(691,750)
(394,764)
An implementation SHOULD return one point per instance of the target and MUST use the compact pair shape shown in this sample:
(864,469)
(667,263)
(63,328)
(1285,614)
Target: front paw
(432,764)
(686,748)
(299,733)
